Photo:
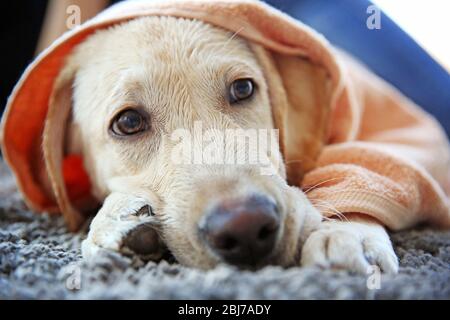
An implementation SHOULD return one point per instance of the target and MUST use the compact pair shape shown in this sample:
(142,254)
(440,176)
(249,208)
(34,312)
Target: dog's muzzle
(242,231)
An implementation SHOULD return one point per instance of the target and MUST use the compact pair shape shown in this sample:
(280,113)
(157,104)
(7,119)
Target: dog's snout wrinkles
(242,231)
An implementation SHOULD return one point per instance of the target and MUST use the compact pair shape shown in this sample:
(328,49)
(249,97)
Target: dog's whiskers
(326,205)
(233,36)
(319,183)
(330,212)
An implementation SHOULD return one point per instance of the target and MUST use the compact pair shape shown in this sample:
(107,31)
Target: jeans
(389,51)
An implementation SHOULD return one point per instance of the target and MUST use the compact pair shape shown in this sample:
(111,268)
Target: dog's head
(181,113)
(214,130)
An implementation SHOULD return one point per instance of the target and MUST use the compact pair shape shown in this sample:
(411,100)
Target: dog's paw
(351,245)
(124,224)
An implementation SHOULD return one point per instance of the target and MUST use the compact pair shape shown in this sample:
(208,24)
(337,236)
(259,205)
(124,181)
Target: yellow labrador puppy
(153,101)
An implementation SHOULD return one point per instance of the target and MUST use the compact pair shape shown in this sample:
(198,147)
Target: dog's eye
(241,89)
(128,122)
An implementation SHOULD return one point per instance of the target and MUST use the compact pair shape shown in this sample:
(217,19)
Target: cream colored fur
(178,71)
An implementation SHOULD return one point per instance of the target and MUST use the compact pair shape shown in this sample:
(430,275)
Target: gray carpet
(39,259)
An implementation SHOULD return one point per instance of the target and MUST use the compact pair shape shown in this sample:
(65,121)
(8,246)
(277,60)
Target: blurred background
(410,48)
(426,21)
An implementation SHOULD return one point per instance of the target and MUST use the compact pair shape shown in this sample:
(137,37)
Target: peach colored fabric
(385,157)
(397,169)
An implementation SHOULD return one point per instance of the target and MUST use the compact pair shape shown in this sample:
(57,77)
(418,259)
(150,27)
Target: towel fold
(396,169)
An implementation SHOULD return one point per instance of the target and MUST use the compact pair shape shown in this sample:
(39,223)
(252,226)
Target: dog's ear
(300,93)
(69,181)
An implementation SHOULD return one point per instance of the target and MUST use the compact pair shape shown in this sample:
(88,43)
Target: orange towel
(397,165)
(369,149)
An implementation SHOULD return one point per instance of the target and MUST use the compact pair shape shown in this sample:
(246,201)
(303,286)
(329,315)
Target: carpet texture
(39,259)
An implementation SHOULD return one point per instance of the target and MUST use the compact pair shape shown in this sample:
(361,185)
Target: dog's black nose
(242,231)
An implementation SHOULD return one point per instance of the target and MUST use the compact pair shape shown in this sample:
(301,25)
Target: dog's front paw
(354,246)
(124,224)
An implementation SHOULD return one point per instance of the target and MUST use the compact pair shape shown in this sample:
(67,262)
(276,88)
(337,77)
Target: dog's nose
(243,231)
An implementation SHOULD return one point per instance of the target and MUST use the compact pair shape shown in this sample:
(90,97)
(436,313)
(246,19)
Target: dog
(211,213)
(135,89)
